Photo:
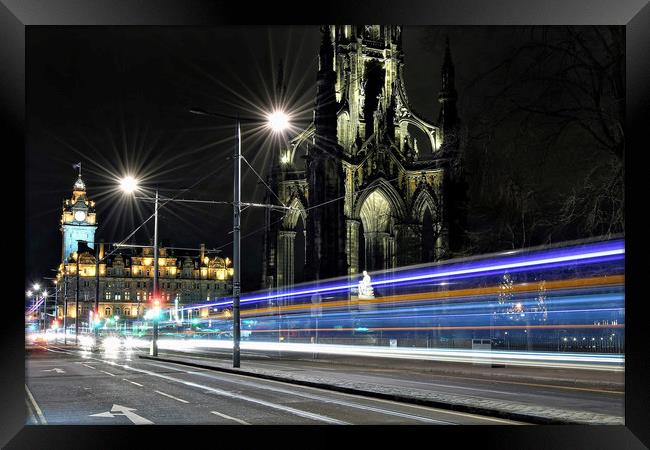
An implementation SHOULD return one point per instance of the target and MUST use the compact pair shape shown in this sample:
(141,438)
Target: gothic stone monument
(370,176)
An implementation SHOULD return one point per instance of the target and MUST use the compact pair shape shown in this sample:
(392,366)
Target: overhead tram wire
(263,182)
(130,235)
(305,209)
(174,198)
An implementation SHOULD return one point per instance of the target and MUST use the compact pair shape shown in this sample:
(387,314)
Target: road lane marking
(31,416)
(336,401)
(119,410)
(259,385)
(56,369)
(35,405)
(171,396)
(271,405)
(86,365)
(356,396)
(294,411)
(132,382)
(108,373)
(225,416)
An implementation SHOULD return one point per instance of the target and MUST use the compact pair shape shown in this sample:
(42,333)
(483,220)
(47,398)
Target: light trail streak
(602,252)
(596,361)
(443,295)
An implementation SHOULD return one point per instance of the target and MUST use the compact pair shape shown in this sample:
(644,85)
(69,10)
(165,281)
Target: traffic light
(155,312)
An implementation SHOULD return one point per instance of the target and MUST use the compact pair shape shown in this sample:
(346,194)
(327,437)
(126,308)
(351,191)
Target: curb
(396,397)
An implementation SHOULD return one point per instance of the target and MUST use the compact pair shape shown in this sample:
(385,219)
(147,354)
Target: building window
(107,312)
(117,311)
(139,296)
(127,295)
(127,312)
(118,296)
(107,295)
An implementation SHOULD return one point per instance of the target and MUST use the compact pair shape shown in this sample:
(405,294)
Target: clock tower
(78,221)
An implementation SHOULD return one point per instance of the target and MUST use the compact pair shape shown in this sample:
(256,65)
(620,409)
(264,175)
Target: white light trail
(592,361)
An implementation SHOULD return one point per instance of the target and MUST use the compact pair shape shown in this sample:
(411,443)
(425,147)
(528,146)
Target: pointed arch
(291,218)
(398,207)
(425,199)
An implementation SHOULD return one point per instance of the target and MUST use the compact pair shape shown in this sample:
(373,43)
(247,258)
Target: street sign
(119,410)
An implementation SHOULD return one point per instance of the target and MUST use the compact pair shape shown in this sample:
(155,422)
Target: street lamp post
(129,185)
(29,295)
(44,294)
(236,285)
(35,289)
(278,121)
(96,315)
(56,303)
(65,305)
(156,300)
(76,300)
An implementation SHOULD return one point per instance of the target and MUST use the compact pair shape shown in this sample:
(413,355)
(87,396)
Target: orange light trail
(442,295)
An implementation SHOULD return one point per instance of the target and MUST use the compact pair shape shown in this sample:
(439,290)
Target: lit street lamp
(76,301)
(277,121)
(34,292)
(44,294)
(129,185)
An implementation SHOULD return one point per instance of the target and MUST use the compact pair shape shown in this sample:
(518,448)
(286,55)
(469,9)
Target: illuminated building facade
(78,220)
(380,185)
(126,276)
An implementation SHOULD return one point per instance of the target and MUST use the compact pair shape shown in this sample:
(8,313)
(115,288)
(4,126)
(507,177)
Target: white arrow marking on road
(56,369)
(119,410)
(104,414)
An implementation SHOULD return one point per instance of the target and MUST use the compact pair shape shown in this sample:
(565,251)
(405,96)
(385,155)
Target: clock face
(79,216)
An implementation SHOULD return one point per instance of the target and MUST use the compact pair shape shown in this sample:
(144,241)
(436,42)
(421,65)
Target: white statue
(365,288)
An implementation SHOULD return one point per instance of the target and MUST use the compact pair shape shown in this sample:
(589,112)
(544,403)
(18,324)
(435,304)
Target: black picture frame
(17,15)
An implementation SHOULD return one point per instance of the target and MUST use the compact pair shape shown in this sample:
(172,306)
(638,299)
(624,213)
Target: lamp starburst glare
(128,184)
(278,121)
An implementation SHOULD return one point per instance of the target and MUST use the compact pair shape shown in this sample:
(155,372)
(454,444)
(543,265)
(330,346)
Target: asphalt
(68,386)
(536,396)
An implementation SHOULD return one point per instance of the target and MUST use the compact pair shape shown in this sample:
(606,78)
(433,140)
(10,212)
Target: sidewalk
(368,385)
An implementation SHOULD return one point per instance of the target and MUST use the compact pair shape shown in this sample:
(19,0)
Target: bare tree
(546,146)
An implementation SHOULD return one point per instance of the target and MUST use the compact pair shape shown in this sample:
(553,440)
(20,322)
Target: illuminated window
(107,295)
(127,295)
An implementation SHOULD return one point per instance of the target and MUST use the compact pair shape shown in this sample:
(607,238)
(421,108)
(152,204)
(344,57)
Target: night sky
(116,99)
